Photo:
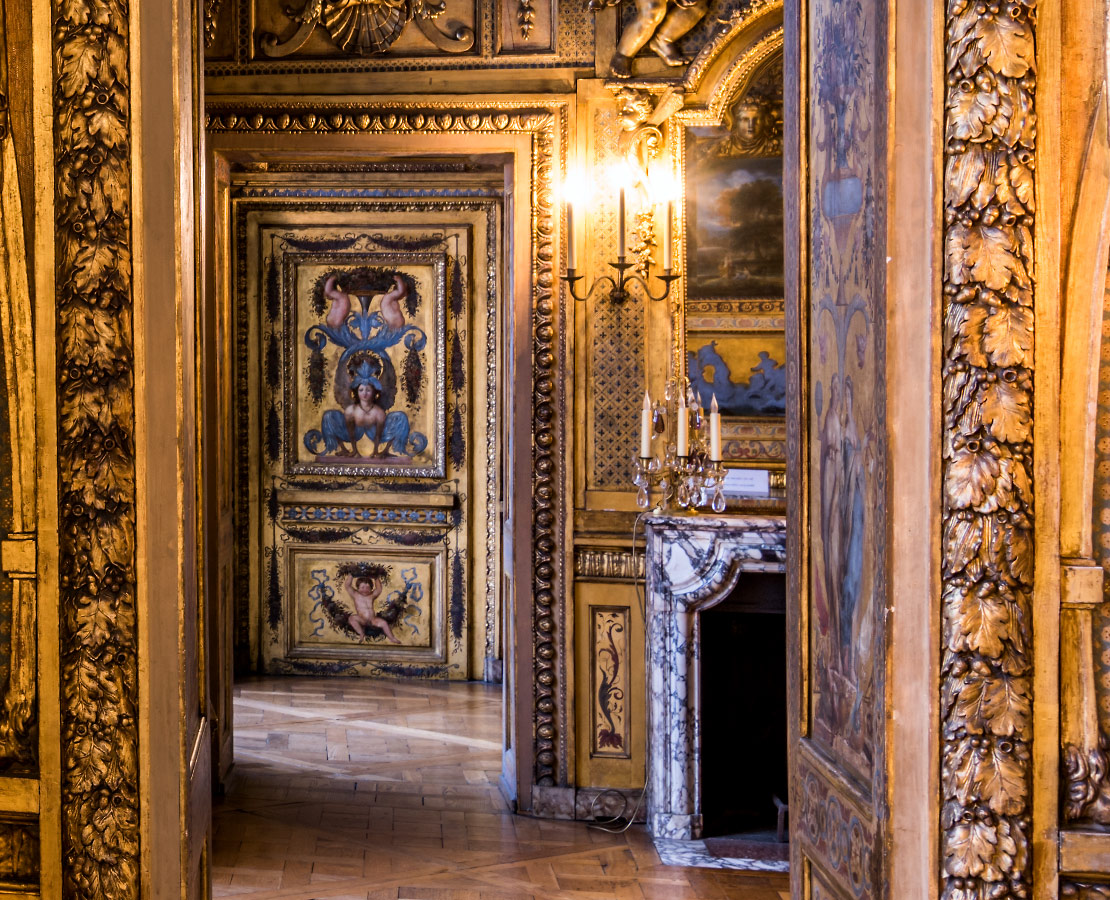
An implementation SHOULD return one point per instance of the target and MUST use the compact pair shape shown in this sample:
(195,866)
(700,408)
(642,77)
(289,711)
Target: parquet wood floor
(365,790)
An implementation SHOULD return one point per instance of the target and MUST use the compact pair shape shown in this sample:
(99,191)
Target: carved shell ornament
(367,27)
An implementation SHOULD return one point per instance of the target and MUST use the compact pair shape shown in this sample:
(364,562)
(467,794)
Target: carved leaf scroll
(987,562)
(96,464)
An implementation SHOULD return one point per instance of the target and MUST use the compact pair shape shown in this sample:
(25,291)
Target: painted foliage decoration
(96,450)
(987,556)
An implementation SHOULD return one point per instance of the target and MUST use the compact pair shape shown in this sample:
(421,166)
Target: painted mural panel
(362,548)
(840,769)
(375,597)
(370,350)
(846,407)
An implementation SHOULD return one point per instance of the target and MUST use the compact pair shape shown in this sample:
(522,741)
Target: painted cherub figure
(364,590)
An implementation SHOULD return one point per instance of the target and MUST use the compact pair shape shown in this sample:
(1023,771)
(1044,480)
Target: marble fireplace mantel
(693,563)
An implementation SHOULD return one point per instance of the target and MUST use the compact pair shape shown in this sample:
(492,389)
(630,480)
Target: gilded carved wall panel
(546,128)
(987,468)
(96,449)
(616,332)
(357,376)
(245,37)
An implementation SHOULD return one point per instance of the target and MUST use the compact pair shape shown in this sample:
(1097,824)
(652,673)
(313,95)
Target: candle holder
(618,291)
(684,483)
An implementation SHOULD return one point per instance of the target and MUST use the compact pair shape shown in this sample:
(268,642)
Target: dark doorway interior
(743,708)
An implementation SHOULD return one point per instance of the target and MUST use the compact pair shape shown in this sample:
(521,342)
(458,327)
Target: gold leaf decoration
(96,463)
(987,397)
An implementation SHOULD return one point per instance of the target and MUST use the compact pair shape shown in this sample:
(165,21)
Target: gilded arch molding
(987,450)
(546,125)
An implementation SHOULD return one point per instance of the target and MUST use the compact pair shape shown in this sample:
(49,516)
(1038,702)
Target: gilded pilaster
(987,381)
(96,448)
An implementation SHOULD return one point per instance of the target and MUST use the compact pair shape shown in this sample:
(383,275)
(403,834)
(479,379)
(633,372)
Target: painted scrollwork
(96,450)
(987,558)
(365,27)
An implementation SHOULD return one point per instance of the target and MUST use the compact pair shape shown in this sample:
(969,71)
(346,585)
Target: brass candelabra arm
(618,287)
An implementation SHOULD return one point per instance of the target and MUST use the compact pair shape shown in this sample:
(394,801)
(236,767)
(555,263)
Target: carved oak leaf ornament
(971,848)
(972,476)
(964,322)
(366,27)
(1009,339)
(1007,412)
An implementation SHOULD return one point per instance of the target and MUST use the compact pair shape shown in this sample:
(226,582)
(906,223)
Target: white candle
(667,239)
(714,431)
(620,226)
(683,441)
(570,235)
(645,428)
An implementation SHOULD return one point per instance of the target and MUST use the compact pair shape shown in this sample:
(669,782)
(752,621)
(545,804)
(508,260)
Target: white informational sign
(746,482)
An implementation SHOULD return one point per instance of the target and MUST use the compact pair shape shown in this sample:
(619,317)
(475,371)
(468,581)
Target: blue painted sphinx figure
(365,377)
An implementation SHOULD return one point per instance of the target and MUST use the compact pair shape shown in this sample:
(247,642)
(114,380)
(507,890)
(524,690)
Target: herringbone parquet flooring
(361,790)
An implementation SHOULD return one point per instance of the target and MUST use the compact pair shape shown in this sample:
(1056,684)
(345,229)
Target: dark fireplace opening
(743,709)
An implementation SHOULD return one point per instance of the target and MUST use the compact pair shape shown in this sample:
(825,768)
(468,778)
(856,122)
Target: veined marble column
(693,563)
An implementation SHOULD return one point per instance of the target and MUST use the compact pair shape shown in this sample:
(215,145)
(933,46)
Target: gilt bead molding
(547,126)
(96,449)
(987,514)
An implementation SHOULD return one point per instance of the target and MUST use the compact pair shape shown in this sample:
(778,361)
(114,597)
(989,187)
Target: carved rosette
(987,556)
(96,450)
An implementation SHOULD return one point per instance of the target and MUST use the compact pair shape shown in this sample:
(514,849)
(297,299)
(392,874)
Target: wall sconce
(618,286)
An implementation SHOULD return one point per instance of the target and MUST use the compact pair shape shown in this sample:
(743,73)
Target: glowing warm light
(575,189)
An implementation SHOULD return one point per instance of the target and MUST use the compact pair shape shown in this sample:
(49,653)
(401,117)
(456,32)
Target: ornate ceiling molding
(96,449)
(987,465)
(547,127)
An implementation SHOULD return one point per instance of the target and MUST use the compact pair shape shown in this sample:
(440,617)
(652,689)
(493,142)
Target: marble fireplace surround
(693,563)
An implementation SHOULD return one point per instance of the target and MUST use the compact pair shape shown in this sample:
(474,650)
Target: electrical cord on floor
(604,824)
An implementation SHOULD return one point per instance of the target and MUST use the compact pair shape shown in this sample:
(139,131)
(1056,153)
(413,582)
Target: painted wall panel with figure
(845,318)
(365,546)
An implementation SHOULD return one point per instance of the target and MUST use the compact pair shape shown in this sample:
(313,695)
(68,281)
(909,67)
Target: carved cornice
(547,127)
(987,378)
(96,449)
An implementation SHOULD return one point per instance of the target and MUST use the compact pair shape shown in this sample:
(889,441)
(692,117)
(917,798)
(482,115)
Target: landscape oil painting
(734,226)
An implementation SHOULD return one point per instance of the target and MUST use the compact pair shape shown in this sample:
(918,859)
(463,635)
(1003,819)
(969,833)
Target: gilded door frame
(533,133)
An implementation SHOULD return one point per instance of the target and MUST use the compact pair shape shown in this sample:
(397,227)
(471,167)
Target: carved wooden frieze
(96,449)
(326,36)
(987,561)
(365,27)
